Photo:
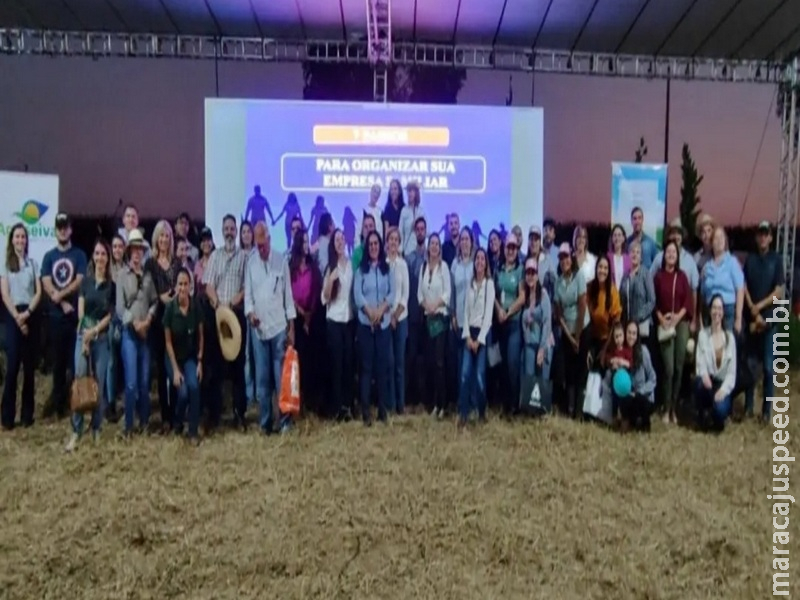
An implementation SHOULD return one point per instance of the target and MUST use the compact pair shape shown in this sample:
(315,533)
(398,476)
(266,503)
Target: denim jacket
(537,322)
(371,289)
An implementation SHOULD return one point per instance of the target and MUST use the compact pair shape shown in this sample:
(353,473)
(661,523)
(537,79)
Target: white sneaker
(440,416)
(72,443)
(96,437)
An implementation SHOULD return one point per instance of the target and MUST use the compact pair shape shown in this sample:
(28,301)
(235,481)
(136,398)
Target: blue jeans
(529,366)
(472,382)
(760,349)
(188,397)
(136,363)
(99,351)
(719,411)
(373,350)
(269,355)
(510,337)
(397,368)
(114,358)
(249,366)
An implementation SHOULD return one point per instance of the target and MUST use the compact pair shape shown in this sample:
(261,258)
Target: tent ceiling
(757,29)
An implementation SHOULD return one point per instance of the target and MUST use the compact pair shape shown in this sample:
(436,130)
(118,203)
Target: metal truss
(52,43)
(379,45)
(789,170)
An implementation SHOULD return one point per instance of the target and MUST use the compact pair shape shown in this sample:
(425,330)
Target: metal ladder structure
(379,45)
(789,171)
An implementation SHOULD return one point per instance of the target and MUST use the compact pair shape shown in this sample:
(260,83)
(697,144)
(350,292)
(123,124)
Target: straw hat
(229,333)
(703,220)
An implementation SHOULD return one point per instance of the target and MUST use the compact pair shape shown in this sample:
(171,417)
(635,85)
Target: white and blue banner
(639,185)
(30,199)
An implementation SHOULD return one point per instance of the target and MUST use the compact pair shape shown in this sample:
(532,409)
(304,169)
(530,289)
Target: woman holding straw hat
(95,308)
(136,305)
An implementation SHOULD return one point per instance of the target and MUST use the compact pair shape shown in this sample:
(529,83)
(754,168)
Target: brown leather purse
(84,393)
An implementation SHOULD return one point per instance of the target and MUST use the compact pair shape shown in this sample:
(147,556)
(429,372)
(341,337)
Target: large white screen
(484,163)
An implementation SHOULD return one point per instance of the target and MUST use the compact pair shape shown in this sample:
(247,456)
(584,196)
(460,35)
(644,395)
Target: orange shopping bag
(289,401)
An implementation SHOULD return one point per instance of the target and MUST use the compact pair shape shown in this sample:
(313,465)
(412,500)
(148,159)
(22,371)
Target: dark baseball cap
(62,220)
(765,226)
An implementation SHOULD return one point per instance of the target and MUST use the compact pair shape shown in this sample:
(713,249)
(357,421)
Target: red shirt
(626,353)
(663,282)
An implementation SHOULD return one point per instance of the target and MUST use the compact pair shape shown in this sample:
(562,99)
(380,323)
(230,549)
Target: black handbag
(536,395)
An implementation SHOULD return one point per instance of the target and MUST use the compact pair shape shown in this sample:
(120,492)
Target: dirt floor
(410,510)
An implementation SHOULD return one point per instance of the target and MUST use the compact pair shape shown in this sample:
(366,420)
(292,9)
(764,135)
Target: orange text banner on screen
(380,135)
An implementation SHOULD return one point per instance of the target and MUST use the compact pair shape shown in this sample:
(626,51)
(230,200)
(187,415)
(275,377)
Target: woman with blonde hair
(163,267)
(585,260)
(21,291)
(408,218)
(399,323)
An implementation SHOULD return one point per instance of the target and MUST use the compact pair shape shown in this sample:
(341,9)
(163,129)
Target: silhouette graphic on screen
(477,234)
(349,222)
(257,208)
(316,214)
(290,210)
(443,232)
(502,232)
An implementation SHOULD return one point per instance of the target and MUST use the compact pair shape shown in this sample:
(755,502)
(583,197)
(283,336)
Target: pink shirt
(303,290)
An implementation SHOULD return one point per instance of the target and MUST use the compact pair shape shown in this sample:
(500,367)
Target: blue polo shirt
(63,266)
(724,278)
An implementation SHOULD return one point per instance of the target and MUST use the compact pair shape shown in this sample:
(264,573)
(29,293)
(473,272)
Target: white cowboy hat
(229,333)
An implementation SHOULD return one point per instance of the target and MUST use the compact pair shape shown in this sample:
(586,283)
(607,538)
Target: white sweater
(435,286)
(706,363)
(478,309)
(399,269)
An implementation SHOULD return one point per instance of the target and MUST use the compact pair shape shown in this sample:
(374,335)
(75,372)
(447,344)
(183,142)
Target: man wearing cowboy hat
(676,233)
(270,311)
(704,229)
(224,281)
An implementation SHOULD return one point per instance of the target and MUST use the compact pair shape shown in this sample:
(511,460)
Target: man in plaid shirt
(224,281)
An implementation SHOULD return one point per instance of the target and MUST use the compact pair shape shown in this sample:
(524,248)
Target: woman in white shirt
(21,292)
(476,322)
(374,209)
(461,274)
(715,363)
(399,325)
(408,216)
(336,291)
(433,294)
(587,262)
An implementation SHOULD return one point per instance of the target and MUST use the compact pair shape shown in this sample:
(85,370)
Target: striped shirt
(225,273)
(268,294)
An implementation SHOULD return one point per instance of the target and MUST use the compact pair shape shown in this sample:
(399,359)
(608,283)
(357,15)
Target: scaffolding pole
(153,45)
(789,189)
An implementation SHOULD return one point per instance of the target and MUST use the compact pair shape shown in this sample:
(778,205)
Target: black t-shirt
(184,328)
(98,300)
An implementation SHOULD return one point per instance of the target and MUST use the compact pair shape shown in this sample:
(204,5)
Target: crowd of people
(405,318)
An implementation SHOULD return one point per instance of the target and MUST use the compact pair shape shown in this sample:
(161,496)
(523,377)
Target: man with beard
(416,323)
(224,281)
(63,269)
(648,244)
(450,247)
